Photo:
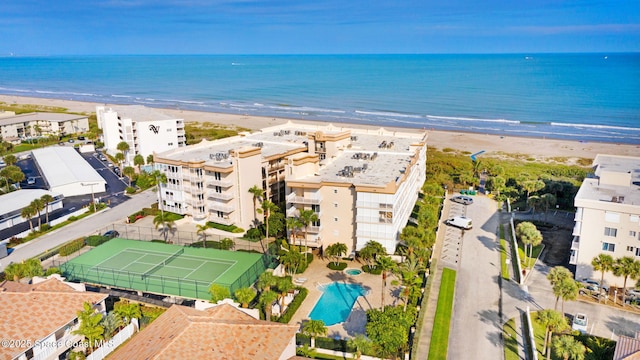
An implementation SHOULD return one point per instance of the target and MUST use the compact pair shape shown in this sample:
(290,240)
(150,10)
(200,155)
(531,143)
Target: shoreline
(540,149)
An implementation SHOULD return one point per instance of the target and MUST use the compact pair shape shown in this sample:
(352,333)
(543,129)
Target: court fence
(178,237)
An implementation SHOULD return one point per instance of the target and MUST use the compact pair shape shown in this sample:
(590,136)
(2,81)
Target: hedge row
(340,266)
(294,305)
(303,267)
(71,247)
(95,240)
(375,271)
(227,228)
(325,343)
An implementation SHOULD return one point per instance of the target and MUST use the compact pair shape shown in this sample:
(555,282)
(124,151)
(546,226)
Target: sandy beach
(493,145)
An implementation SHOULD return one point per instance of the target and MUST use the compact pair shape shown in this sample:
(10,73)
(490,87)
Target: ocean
(585,97)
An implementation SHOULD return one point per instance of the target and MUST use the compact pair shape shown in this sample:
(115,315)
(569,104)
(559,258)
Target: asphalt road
(483,302)
(87,226)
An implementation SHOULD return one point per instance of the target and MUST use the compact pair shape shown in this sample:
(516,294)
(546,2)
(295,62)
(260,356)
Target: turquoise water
(353,272)
(573,96)
(336,302)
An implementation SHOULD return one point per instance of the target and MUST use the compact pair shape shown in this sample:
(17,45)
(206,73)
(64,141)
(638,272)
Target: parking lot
(114,195)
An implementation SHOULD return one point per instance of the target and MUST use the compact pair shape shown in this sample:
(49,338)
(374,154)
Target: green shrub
(375,271)
(237,230)
(341,266)
(303,267)
(227,228)
(72,218)
(45,227)
(130,190)
(53,270)
(158,241)
(95,240)
(71,247)
(253,233)
(294,305)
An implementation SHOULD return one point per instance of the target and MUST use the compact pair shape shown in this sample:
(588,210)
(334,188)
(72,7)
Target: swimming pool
(353,272)
(336,302)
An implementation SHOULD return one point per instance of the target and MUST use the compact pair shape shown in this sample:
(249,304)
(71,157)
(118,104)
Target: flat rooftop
(62,165)
(139,113)
(628,169)
(40,116)
(21,198)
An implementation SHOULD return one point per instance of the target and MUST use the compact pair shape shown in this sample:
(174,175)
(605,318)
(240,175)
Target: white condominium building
(15,128)
(607,215)
(146,130)
(361,183)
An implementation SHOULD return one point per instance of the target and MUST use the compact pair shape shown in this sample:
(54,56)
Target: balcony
(195,202)
(293,212)
(221,196)
(222,220)
(313,229)
(576,229)
(293,199)
(275,167)
(223,183)
(573,260)
(575,244)
(216,206)
(314,243)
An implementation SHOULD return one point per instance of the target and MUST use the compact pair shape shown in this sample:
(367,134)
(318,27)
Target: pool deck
(318,273)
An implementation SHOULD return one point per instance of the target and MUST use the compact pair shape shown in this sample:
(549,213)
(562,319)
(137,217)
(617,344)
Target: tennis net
(163,263)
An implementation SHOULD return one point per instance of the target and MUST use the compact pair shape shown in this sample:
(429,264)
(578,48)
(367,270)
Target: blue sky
(49,27)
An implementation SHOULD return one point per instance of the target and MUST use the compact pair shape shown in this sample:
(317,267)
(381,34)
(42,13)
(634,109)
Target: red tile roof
(221,332)
(32,312)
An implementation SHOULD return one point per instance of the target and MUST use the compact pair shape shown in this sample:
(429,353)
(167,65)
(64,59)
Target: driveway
(476,325)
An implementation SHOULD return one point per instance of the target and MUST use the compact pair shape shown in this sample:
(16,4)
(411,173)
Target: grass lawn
(442,321)
(503,254)
(534,254)
(510,340)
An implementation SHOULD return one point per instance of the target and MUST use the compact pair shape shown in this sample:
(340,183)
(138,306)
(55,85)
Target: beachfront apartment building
(362,183)
(607,216)
(146,130)
(16,128)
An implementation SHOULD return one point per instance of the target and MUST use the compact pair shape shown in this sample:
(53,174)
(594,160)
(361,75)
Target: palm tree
(267,208)
(150,159)
(567,346)
(530,237)
(129,172)
(258,195)
(14,271)
(158,178)
(28,212)
(567,289)
(548,200)
(361,344)
(138,161)
(245,296)
(336,251)
(111,323)
(219,292)
(557,275)
(266,280)
(33,267)
(552,321)
(128,311)
(284,286)
(165,224)
(10,159)
(90,326)
(624,266)
(291,260)
(119,158)
(602,263)
(202,233)
(534,201)
(38,205)
(386,264)
(370,251)
(293,225)
(313,328)
(267,298)
(123,147)
(47,199)
(307,217)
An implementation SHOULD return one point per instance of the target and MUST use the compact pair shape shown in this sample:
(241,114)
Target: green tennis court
(164,269)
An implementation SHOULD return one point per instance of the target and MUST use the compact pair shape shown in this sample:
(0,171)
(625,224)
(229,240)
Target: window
(613,232)
(335,191)
(335,205)
(315,208)
(217,176)
(170,144)
(335,219)
(632,233)
(630,248)
(218,189)
(323,156)
(220,214)
(637,251)
(609,247)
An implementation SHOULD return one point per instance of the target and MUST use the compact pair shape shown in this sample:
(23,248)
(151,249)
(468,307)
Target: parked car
(633,293)
(464,200)
(31,180)
(71,141)
(81,137)
(116,170)
(460,222)
(594,283)
(580,323)
(111,234)
(103,158)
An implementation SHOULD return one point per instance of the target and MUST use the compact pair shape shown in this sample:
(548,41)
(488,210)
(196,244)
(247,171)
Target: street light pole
(93,199)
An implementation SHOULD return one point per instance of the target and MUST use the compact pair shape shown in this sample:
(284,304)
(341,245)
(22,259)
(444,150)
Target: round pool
(353,272)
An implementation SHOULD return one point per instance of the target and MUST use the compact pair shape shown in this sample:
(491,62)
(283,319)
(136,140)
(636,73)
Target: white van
(459,222)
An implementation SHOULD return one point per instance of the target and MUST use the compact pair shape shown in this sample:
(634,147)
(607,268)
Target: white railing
(223,183)
(573,260)
(216,206)
(575,244)
(294,199)
(292,212)
(576,229)
(217,195)
(110,345)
